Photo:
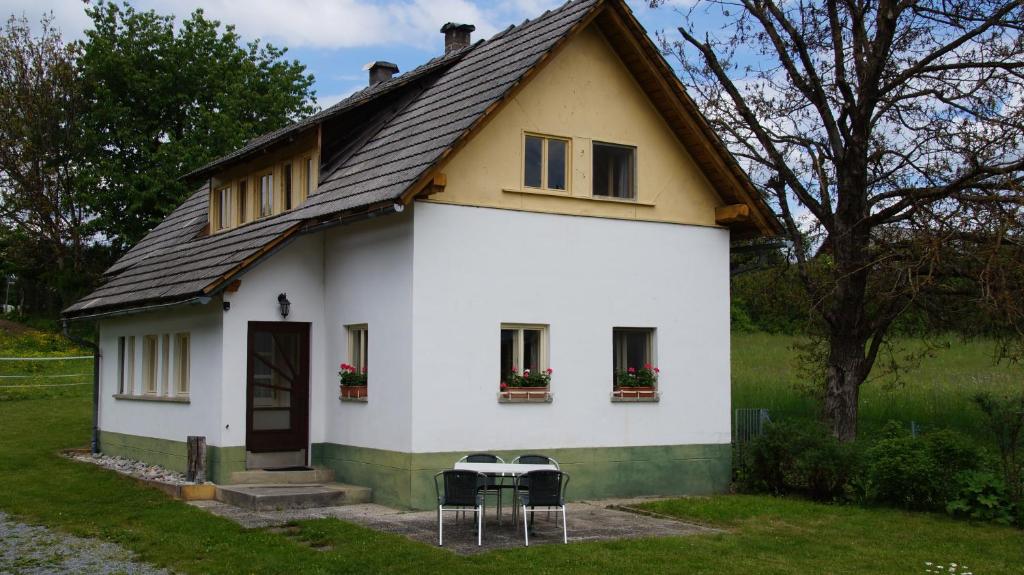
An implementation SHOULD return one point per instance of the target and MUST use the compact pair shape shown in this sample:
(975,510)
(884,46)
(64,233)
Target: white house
(548,198)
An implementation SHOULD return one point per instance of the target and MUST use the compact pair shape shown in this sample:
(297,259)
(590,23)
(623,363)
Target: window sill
(362,399)
(540,192)
(619,397)
(156,398)
(525,397)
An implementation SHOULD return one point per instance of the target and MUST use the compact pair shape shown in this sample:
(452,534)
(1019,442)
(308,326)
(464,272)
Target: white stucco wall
(296,270)
(368,280)
(475,268)
(165,420)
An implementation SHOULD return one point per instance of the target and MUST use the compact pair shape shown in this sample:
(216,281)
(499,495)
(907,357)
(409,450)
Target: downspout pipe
(94,444)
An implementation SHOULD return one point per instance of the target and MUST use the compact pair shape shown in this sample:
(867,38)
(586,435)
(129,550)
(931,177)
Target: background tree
(44,239)
(887,132)
(164,100)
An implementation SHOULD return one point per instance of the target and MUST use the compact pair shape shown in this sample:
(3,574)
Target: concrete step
(282,476)
(266,497)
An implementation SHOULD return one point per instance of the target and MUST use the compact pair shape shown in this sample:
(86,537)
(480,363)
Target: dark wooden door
(277,396)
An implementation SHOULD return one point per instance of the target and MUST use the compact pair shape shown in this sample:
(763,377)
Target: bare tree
(890,130)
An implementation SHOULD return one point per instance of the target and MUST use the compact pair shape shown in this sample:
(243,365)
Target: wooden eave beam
(732,214)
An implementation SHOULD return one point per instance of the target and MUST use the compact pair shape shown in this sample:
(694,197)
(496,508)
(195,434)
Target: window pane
(242,192)
(287,186)
(613,171)
(120,365)
(182,368)
(630,348)
(266,195)
(309,177)
(224,213)
(531,175)
(508,352)
(556,164)
(531,349)
(165,364)
(149,344)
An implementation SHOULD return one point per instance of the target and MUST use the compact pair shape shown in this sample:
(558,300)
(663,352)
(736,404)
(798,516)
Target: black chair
(529,459)
(462,490)
(543,488)
(494,485)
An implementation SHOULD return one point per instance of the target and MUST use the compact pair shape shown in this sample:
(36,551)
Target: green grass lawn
(936,393)
(761,534)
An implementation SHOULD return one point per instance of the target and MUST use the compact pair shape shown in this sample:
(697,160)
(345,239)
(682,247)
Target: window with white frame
(614,171)
(165,364)
(358,346)
(545,162)
(266,196)
(149,364)
(632,348)
(523,347)
(224,208)
(182,364)
(126,365)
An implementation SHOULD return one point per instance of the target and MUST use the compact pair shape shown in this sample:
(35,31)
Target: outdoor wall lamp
(282,300)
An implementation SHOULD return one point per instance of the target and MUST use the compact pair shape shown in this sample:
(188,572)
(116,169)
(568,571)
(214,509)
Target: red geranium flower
(504,386)
(550,371)
(514,370)
(656,370)
(631,370)
(647,366)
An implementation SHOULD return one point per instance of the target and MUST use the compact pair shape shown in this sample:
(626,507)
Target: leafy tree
(165,100)
(888,132)
(44,238)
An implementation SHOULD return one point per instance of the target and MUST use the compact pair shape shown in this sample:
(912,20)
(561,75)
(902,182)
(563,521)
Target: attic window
(286,185)
(266,195)
(224,207)
(544,162)
(614,171)
(243,215)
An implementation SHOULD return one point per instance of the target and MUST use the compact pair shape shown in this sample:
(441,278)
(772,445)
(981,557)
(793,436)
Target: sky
(336,38)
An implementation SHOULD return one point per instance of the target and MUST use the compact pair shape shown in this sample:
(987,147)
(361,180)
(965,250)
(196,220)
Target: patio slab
(587,521)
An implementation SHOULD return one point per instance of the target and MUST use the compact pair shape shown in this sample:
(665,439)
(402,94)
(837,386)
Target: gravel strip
(134,468)
(34,550)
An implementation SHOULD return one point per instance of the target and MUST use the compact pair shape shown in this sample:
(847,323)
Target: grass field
(935,394)
(760,534)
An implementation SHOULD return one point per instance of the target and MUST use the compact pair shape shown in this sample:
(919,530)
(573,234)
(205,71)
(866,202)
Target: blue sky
(336,38)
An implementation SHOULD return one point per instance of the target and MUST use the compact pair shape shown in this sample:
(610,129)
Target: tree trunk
(843,376)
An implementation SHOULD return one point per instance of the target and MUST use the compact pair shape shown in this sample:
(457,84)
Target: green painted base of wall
(407,479)
(220,461)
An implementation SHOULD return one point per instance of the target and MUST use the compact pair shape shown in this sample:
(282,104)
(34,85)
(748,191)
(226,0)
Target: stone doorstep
(271,477)
(268,497)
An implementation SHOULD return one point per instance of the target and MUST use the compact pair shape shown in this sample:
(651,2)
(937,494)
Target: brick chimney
(380,71)
(456,36)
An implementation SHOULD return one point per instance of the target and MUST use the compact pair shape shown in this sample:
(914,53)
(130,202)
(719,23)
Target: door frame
(298,437)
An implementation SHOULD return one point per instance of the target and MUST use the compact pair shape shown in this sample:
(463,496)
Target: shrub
(981,496)
(1005,419)
(916,472)
(797,457)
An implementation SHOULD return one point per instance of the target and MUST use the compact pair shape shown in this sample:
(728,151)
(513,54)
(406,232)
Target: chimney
(380,71)
(456,36)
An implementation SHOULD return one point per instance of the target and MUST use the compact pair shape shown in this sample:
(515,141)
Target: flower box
(525,393)
(353,391)
(635,392)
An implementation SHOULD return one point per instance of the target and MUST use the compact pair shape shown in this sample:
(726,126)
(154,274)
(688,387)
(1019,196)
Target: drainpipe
(94,444)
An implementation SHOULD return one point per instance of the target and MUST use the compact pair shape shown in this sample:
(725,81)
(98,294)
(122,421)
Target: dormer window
(286,186)
(545,161)
(614,171)
(266,195)
(243,192)
(224,208)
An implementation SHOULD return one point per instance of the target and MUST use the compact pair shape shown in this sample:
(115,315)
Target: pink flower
(504,386)
(647,366)
(631,370)
(342,366)
(364,369)
(526,372)
(656,370)
(550,371)
(514,370)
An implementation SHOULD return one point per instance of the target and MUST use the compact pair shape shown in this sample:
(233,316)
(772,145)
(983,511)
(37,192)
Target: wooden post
(196,459)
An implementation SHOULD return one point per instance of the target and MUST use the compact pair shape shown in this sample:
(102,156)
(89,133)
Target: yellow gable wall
(585,93)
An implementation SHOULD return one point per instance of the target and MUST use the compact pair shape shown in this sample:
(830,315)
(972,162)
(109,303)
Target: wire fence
(26,374)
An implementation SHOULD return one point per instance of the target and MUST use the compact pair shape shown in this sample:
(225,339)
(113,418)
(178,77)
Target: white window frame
(520,347)
(224,215)
(182,364)
(544,184)
(358,346)
(150,356)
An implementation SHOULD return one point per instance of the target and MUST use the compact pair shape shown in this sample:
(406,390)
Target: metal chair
(462,490)
(493,488)
(529,459)
(543,488)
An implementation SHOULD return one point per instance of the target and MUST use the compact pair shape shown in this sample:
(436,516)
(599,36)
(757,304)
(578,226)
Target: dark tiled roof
(177,261)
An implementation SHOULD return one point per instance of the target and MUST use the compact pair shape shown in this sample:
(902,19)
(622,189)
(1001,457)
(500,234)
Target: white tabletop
(507,469)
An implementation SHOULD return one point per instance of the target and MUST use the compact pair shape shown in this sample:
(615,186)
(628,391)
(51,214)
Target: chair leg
(440,527)
(526,528)
(565,529)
